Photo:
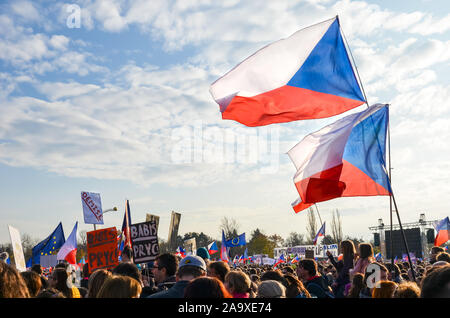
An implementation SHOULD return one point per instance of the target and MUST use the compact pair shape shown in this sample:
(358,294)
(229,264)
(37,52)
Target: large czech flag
(305,76)
(443,232)
(344,159)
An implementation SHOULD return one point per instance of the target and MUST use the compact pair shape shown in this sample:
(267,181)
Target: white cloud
(26,10)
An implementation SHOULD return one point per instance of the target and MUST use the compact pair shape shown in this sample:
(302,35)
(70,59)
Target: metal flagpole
(389,179)
(390,198)
(318,214)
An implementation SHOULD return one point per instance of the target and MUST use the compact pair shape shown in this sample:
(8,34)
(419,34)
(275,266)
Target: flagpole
(318,214)
(389,179)
(390,198)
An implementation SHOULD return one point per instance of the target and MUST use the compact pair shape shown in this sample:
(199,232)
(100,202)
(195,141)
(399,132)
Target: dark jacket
(176,291)
(318,287)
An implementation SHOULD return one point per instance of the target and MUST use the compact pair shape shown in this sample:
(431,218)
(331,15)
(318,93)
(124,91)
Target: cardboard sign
(92,208)
(102,249)
(152,217)
(173,230)
(190,246)
(16,243)
(144,239)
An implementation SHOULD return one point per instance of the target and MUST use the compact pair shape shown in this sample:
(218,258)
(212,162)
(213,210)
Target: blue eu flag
(48,246)
(237,241)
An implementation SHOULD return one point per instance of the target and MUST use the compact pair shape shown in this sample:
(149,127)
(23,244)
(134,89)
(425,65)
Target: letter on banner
(144,239)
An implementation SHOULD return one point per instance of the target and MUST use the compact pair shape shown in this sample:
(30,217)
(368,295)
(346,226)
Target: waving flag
(223,249)
(246,254)
(281,259)
(395,260)
(237,241)
(48,246)
(295,260)
(126,236)
(443,232)
(320,235)
(181,252)
(69,250)
(212,248)
(307,75)
(344,159)
(378,257)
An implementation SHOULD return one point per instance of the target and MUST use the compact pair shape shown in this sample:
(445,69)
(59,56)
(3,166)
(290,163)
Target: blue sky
(105,108)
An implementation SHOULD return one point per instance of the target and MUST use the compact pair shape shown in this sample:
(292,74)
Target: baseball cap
(193,260)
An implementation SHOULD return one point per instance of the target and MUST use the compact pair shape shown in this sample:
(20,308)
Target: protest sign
(144,239)
(102,248)
(16,243)
(320,251)
(92,208)
(190,246)
(152,217)
(173,230)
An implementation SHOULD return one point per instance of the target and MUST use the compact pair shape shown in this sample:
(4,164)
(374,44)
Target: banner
(173,231)
(16,243)
(144,239)
(190,246)
(152,217)
(320,251)
(48,260)
(102,249)
(92,208)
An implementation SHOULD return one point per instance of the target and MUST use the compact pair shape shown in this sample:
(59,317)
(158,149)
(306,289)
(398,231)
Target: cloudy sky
(117,102)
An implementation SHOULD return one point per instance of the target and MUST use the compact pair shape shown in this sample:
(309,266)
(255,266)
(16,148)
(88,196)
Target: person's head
(436,283)
(407,290)
(443,256)
(348,248)
(191,267)
(237,282)
(218,269)
(384,289)
(119,286)
(365,250)
(206,287)
(393,271)
(203,253)
(164,266)
(59,279)
(12,285)
(271,289)
(357,285)
(435,250)
(307,268)
(274,275)
(127,254)
(50,293)
(295,287)
(37,268)
(33,281)
(288,270)
(128,269)
(96,281)
(4,256)
(375,272)
(61,265)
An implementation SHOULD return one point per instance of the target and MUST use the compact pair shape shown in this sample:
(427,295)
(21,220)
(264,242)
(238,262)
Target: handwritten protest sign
(92,208)
(102,248)
(144,239)
(16,243)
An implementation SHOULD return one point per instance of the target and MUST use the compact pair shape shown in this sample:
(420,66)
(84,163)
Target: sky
(112,97)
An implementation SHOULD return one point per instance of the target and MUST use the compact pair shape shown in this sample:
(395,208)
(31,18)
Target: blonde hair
(238,282)
(118,286)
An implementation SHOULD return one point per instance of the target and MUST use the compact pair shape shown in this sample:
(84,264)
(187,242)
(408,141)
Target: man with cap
(190,267)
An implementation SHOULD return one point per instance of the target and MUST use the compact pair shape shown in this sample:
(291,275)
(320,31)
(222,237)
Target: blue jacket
(176,291)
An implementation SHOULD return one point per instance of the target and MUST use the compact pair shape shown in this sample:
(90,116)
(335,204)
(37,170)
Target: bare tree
(295,239)
(230,227)
(311,227)
(336,227)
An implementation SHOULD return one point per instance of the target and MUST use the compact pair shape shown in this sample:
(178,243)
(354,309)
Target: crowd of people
(355,275)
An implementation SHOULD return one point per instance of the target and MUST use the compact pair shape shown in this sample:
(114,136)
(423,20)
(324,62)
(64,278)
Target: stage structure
(418,236)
